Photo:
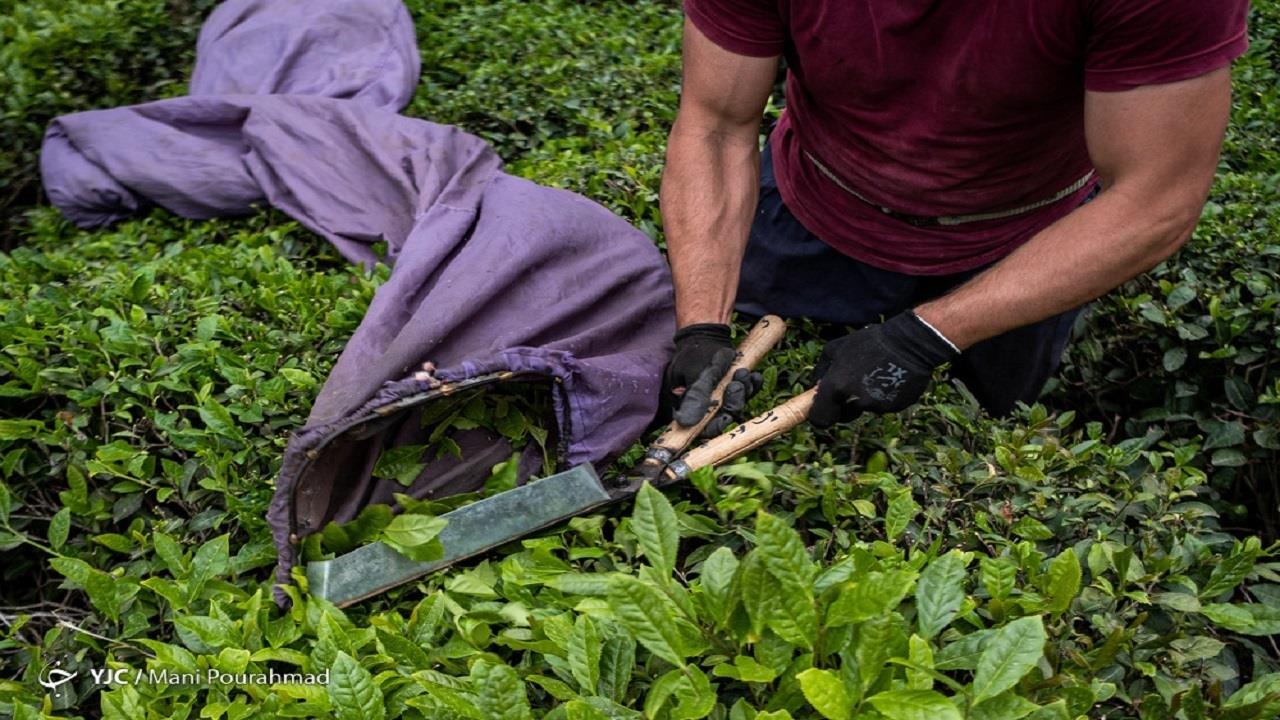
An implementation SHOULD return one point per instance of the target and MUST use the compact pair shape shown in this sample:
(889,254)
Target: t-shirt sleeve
(745,27)
(1148,42)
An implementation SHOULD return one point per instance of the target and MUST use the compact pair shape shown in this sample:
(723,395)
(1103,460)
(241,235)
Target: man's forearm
(709,193)
(1082,256)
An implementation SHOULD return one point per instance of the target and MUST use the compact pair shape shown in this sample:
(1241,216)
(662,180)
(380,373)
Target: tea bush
(61,56)
(929,564)
(1190,347)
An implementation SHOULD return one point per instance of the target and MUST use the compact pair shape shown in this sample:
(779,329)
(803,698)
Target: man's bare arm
(1156,149)
(710,183)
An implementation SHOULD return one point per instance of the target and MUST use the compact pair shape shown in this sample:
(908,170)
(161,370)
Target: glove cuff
(918,337)
(712,331)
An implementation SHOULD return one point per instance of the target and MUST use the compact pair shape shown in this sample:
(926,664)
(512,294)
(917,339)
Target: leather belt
(944,220)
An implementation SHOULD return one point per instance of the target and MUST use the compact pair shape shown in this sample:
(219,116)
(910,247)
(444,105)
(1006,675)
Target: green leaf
(717,580)
(59,526)
(1222,434)
(573,583)
(617,662)
(402,464)
(1028,528)
(298,378)
(502,477)
(691,689)
(449,692)
(920,653)
(584,655)
(500,693)
(1006,706)
(660,691)
(826,693)
(218,419)
(20,429)
(408,655)
(1010,653)
(1238,393)
(1180,601)
(939,593)
(1233,569)
(1246,619)
(107,593)
(415,536)
(915,705)
(1174,358)
(901,511)
(647,613)
(604,708)
(1262,688)
(555,688)
(1228,457)
(1179,296)
(352,693)
(747,669)
(963,654)
(872,648)
(211,560)
(998,576)
(123,703)
(654,523)
(170,552)
(791,612)
(870,596)
(1062,581)
(755,590)
(783,553)
(579,710)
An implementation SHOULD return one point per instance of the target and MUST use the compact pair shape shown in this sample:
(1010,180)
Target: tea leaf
(1010,653)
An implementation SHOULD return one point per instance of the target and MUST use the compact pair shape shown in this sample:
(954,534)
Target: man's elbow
(1177,223)
(1169,217)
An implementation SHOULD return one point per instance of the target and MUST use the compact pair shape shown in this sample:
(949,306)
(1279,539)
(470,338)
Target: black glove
(704,353)
(880,368)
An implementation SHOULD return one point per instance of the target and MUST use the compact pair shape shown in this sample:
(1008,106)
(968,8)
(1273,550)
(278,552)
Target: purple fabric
(293,103)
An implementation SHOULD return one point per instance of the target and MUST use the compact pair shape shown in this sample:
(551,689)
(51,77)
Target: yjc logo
(54,677)
(107,676)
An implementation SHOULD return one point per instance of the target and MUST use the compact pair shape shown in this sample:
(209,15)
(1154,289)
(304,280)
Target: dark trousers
(790,272)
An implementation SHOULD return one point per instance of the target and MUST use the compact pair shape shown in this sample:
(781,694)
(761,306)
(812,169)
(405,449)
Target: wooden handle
(763,336)
(747,436)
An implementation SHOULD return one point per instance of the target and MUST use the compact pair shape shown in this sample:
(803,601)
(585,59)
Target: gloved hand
(880,368)
(704,353)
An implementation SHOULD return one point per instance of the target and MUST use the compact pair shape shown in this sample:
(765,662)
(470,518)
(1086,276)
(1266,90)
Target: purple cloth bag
(494,278)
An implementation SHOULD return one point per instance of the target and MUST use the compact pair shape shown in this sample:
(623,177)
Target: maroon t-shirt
(933,108)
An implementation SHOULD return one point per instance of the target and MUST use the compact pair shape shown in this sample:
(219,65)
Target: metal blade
(471,529)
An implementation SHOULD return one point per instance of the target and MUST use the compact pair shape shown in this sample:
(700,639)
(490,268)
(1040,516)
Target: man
(932,167)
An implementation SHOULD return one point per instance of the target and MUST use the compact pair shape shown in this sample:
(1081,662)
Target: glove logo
(882,383)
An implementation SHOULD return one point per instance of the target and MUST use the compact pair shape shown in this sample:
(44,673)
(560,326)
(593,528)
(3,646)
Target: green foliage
(930,564)
(1188,348)
(62,56)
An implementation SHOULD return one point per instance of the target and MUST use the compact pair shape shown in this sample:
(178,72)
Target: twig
(72,626)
